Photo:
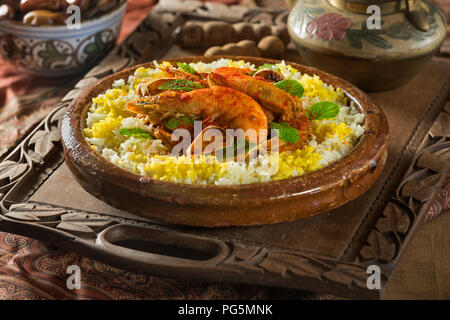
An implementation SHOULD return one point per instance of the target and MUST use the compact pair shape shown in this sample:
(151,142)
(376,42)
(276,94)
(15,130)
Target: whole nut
(244,30)
(97,7)
(250,47)
(13,3)
(217,33)
(262,30)
(106,4)
(271,47)
(233,49)
(188,35)
(282,33)
(31,5)
(247,43)
(214,51)
(44,17)
(7,12)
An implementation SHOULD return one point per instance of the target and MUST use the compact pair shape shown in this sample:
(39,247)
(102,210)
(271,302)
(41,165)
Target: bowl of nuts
(54,38)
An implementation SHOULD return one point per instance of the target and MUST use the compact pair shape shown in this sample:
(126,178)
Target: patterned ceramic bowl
(54,51)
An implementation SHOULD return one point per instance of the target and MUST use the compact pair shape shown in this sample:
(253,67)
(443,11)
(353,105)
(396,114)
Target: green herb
(180,85)
(136,132)
(174,123)
(285,132)
(186,67)
(322,110)
(294,88)
(269,66)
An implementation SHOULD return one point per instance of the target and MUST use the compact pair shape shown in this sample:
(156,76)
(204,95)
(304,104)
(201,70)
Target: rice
(332,139)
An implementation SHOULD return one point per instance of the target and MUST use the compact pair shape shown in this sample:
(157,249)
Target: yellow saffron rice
(332,138)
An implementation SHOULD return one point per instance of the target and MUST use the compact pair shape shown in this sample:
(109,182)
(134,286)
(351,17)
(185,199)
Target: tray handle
(161,248)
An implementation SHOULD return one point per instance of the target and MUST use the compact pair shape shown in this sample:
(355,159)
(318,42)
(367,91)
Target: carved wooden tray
(329,252)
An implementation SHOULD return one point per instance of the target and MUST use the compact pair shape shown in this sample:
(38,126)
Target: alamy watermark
(374,278)
(226,144)
(74,19)
(374,21)
(74,280)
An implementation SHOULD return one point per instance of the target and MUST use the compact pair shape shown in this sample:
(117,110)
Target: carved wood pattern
(75,222)
(33,160)
(30,155)
(413,197)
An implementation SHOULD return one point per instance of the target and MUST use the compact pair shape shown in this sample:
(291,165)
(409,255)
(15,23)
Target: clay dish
(237,205)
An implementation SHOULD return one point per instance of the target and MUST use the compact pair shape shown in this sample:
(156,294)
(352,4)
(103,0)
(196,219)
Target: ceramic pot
(340,37)
(54,51)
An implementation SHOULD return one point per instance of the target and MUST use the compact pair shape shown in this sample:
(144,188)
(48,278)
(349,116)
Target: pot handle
(158,249)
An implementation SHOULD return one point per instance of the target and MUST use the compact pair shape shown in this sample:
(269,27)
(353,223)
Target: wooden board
(326,253)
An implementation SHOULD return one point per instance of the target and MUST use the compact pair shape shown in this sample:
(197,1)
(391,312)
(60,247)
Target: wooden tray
(329,252)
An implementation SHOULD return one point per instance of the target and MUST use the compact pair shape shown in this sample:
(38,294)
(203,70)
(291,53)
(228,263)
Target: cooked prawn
(269,96)
(273,99)
(226,106)
(180,74)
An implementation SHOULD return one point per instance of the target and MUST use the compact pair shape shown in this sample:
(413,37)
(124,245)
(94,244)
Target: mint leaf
(322,110)
(180,85)
(294,88)
(136,132)
(186,67)
(285,132)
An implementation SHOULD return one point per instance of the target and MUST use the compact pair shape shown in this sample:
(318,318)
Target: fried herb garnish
(174,123)
(180,85)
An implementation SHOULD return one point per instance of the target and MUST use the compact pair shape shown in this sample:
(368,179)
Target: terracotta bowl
(237,205)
